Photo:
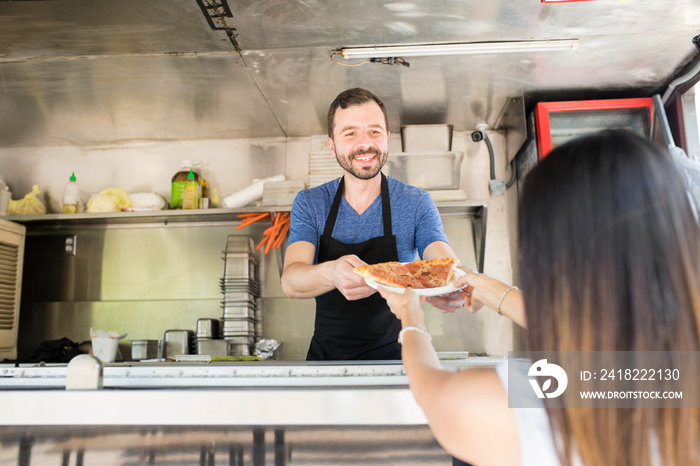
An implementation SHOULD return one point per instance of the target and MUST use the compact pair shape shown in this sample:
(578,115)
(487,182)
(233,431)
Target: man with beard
(362,218)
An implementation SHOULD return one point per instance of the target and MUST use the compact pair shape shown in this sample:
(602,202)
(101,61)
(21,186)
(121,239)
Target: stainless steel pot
(145,349)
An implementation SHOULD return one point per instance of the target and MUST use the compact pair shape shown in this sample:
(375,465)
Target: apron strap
(333,214)
(335,207)
(386,207)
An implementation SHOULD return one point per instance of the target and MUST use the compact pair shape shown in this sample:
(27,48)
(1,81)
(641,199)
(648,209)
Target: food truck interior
(120,93)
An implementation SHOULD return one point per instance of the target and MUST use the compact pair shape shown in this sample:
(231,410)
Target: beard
(364,173)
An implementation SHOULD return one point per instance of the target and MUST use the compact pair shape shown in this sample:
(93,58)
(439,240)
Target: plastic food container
(105,349)
(426,138)
(426,170)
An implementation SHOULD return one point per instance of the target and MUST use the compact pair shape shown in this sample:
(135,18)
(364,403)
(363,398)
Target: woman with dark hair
(609,261)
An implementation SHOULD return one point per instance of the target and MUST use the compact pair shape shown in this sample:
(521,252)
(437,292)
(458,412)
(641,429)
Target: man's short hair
(349,98)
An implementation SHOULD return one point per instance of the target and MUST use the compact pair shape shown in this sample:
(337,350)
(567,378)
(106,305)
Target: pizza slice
(432,273)
(390,274)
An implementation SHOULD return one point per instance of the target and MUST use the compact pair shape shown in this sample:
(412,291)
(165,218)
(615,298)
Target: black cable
(513,166)
(391,61)
(513,173)
(491,156)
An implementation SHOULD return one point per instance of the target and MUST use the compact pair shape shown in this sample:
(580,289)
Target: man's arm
(438,250)
(302,279)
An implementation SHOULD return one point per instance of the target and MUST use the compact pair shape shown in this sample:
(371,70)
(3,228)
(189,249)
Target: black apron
(364,329)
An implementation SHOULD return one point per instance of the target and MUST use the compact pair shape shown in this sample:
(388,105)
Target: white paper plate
(449,288)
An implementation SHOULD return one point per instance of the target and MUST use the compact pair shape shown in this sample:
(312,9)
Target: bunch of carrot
(272,236)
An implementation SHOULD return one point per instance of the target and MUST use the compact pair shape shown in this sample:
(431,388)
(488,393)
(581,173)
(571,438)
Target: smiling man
(362,218)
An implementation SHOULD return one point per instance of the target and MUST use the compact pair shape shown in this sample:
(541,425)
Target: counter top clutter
(189,190)
(105,345)
(29,205)
(239,331)
(242,315)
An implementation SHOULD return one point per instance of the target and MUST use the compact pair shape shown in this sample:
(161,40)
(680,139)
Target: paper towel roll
(249,194)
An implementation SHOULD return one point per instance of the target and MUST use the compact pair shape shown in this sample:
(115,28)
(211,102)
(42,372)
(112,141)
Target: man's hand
(450,302)
(350,284)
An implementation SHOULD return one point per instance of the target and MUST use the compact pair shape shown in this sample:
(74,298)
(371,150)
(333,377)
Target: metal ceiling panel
(125,98)
(265,24)
(76,72)
(73,28)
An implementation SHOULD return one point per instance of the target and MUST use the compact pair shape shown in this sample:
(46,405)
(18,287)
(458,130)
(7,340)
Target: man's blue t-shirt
(415,220)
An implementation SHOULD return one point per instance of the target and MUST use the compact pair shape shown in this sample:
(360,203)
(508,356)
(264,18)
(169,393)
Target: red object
(546,111)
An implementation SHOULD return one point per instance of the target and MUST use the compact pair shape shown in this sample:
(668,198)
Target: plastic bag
(109,200)
(265,348)
(62,350)
(145,202)
(30,205)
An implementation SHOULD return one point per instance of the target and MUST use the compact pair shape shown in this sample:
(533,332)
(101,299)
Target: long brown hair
(610,261)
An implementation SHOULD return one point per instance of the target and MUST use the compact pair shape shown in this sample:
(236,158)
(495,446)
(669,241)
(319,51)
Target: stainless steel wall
(145,279)
(138,280)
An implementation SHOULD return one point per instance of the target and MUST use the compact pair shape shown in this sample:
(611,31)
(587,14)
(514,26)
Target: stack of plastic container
(281,193)
(241,320)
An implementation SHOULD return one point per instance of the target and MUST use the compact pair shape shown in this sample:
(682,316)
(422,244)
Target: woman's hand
(405,306)
(483,290)
(467,283)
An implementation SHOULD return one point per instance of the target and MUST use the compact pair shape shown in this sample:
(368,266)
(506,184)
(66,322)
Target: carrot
(280,238)
(251,218)
(274,234)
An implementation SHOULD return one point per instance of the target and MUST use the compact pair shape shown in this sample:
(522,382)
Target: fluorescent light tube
(431,50)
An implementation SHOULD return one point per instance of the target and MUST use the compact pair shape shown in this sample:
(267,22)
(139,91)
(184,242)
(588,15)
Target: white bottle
(71,197)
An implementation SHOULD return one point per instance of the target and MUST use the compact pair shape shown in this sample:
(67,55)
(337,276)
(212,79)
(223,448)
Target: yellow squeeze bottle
(71,197)
(190,193)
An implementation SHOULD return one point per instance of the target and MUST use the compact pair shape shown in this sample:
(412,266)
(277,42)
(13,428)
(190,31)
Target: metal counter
(235,394)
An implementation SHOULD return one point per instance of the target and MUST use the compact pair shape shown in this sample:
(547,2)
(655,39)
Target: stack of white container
(323,166)
(281,193)
(242,317)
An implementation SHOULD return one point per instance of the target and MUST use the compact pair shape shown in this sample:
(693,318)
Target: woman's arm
(484,290)
(467,411)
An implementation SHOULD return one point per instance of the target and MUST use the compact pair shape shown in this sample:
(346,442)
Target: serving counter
(266,412)
(218,393)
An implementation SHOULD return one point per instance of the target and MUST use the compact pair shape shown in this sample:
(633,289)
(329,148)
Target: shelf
(162,217)
(468,209)
(475,211)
